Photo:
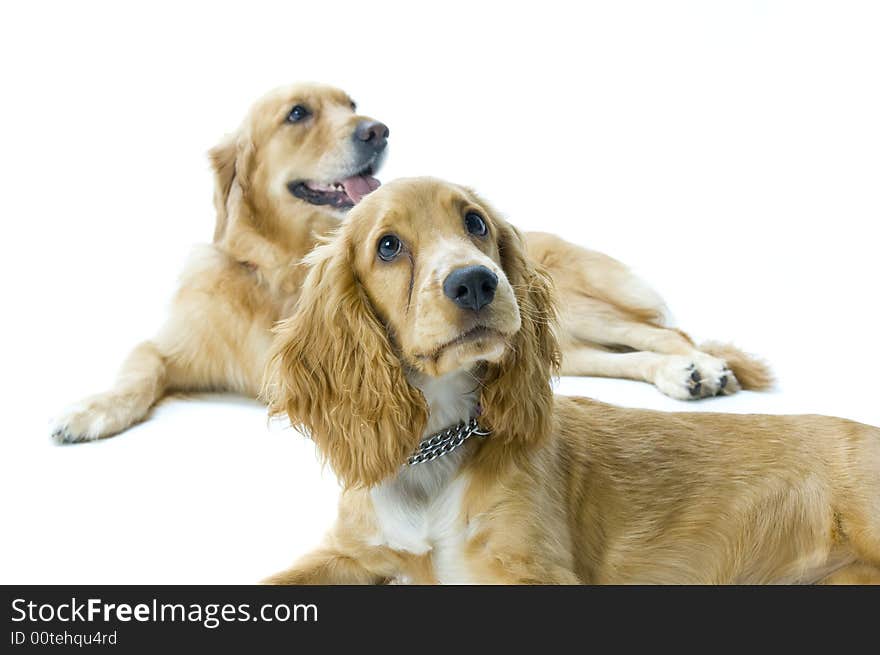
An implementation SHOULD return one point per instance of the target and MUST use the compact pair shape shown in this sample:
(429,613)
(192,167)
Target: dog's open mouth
(342,194)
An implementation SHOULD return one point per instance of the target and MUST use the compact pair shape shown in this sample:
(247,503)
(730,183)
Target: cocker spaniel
(419,359)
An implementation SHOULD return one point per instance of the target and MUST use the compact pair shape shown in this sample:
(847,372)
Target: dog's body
(430,328)
(280,186)
(624,496)
(611,324)
(234,290)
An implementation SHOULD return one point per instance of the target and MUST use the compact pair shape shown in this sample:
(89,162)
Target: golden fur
(613,325)
(564,490)
(233,291)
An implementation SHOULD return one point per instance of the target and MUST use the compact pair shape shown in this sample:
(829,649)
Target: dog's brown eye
(389,247)
(475,224)
(297,114)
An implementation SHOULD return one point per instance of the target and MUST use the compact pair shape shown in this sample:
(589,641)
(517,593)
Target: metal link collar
(445,441)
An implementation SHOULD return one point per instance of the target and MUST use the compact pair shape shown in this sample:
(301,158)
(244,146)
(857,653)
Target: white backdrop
(728,151)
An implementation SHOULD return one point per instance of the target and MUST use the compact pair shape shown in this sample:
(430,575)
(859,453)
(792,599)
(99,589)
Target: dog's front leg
(328,566)
(501,565)
(554,575)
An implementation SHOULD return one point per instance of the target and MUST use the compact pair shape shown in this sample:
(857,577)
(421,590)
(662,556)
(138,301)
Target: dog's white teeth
(326,188)
(318,186)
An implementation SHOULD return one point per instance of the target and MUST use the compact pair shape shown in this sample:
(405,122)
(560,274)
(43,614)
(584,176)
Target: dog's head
(424,276)
(304,143)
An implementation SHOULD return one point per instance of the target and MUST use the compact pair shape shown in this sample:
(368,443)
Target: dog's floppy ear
(517,398)
(231,161)
(334,373)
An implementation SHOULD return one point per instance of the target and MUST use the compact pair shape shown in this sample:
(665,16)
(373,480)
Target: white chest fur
(420,510)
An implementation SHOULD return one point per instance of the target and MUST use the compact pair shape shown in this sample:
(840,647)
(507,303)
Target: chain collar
(445,441)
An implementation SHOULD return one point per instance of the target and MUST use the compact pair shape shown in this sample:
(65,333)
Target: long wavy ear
(517,399)
(333,371)
(231,160)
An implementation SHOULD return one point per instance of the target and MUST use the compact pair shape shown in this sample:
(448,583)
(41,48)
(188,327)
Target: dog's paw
(717,378)
(691,378)
(94,418)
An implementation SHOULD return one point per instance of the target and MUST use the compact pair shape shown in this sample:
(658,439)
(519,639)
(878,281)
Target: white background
(728,151)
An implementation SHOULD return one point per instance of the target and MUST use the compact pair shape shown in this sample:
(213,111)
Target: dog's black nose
(372,134)
(472,287)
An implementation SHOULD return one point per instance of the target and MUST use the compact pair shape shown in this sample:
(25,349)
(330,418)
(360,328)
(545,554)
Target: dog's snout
(373,134)
(472,287)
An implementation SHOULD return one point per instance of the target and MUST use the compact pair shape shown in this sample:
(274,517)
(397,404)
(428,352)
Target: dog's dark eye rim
(475,224)
(298,113)
(388,247)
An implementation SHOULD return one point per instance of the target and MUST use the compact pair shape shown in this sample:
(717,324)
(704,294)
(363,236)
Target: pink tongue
(357,186)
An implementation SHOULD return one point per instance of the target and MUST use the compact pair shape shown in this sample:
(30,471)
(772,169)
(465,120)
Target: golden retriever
(419,359)
(302,157)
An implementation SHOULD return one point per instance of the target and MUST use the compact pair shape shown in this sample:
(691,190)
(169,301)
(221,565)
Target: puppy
(419,360)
